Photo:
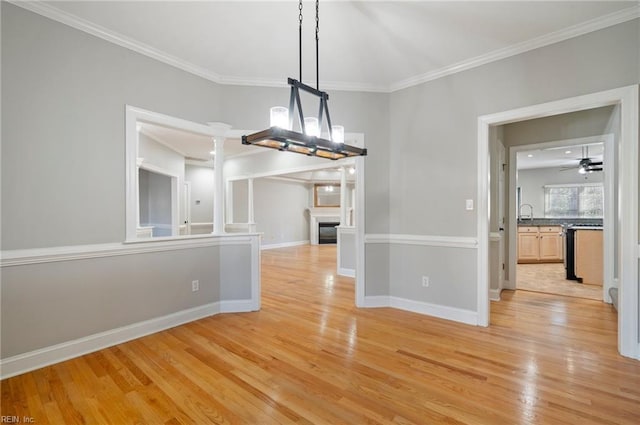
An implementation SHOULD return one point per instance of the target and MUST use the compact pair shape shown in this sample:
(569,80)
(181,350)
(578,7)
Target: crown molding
(596,24)
(76,22)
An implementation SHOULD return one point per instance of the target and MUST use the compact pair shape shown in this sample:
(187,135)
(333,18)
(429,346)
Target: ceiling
(196,148)
(364,45)
(568,156)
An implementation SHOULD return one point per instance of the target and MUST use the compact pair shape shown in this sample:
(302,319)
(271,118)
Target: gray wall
(63,183)
(63,172)
(281,210)
(591,122)
(532,184)
(201,179)
(50,303)
(63,95)
(433,127)
(155,202)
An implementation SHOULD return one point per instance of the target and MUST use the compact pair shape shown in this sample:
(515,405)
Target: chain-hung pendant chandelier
(308,140)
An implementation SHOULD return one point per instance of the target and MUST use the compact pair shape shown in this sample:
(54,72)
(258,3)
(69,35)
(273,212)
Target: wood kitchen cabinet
(589,256)
(540,244)
(528,245)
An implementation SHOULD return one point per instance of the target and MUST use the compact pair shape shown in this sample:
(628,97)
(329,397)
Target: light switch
(469,204)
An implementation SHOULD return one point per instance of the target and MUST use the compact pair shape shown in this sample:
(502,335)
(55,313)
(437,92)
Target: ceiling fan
(586,164)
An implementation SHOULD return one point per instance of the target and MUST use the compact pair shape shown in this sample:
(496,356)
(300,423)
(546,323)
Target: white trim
(376,301)
(596,24)
(442,312)
(627,100)
(132,116)
(360,234)
(424,240)
(111,36)
(495,236)
(20,257)
(283,245)
(608,221)
(346,272)
(36,359)
(256,274)
(237,306)
(494,294)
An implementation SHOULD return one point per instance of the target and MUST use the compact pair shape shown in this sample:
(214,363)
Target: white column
(229,202)
(343,197)
(219,132)
(250,212)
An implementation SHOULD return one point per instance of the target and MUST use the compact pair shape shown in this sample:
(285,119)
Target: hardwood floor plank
(310,357)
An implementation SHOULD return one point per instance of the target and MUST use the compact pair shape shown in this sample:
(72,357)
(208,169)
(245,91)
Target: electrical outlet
(195,285)
(425,281)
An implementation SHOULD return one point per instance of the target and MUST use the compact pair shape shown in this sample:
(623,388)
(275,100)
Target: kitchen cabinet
(589,256)
(550,243)
(528,245)
(540,244)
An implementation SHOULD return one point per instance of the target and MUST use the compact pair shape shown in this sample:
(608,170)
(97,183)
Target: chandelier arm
(321,116)
(323,102)
(300,114)
(291,106)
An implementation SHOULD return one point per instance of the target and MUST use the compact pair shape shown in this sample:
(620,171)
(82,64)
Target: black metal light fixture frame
(299,142)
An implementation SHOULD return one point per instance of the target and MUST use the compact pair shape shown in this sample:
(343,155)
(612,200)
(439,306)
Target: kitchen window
(573,201)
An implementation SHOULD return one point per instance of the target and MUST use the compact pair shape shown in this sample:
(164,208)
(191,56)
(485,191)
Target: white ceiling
(365,45)
(568,156)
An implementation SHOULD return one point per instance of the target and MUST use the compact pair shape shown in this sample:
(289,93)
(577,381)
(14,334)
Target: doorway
(626,175)
(552,200)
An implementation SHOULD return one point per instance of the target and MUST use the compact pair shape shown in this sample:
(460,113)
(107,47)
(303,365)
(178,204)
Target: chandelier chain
(317,37)
(300,37)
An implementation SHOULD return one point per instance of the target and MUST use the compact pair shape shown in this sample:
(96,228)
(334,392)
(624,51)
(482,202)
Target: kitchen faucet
(530,216)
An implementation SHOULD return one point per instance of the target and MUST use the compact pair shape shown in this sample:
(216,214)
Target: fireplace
(327,233)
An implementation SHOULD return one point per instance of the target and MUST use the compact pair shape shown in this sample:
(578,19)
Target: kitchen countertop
(560,221)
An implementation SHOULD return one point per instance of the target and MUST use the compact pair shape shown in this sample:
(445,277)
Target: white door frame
(627,100)
(186,197)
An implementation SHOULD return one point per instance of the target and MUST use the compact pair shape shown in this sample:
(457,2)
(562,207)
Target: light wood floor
(550,278)
(310,357)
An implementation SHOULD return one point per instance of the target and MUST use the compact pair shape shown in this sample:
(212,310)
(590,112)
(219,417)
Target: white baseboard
(443,312)
(283,245)
(376,301)
(494,294)
(237,306)
(346,272)
(37,359)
